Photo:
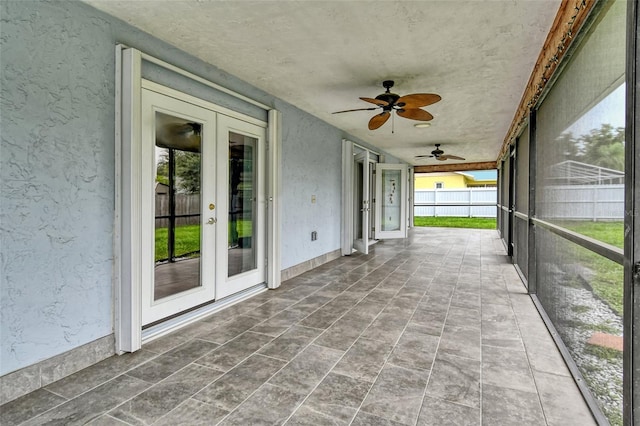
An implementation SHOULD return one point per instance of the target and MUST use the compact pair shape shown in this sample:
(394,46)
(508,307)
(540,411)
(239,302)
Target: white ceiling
(321,56)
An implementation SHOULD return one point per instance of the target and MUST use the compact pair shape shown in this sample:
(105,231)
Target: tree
(603,147)
(162,168)
(568,147)
(187,171)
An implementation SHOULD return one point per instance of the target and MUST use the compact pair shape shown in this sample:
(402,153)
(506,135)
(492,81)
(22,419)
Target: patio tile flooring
(433,330)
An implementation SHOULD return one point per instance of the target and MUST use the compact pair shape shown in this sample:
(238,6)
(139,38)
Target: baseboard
(310,264)
(21,382)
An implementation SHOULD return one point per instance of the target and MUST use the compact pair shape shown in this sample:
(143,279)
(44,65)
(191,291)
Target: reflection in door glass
(177,205)
(391,202)
(242,203)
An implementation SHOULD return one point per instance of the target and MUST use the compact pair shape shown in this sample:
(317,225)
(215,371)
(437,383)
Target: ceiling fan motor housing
(387,96)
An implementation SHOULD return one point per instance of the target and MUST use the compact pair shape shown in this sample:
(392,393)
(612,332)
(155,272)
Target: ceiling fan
(438,154)
(407,106)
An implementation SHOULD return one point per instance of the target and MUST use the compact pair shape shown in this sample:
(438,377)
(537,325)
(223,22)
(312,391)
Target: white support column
(347,198)
(273,199)
(127,271)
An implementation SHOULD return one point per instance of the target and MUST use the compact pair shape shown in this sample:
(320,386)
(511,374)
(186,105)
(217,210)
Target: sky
(610,110)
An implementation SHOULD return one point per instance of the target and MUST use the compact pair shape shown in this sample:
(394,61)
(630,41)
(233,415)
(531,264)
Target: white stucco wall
(57,172)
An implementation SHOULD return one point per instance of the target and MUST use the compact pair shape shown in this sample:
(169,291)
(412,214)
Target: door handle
(212,220)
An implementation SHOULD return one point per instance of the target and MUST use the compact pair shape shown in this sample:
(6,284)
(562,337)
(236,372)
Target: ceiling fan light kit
(407,106)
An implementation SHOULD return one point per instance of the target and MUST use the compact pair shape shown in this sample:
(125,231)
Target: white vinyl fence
(591,202)
(466,202)
(569,202)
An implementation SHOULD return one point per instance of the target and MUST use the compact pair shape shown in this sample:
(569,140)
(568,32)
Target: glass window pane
(358,199)
(522,172)
(177,206)
(521,247)
(521,227)
(580,187)
(581,133)
(582,293)
(242,203)
(391,202)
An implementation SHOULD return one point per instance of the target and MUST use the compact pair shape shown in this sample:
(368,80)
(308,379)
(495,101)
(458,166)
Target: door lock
(212,220)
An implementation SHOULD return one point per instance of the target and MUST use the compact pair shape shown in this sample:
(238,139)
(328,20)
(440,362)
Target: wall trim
(310,264)
(36,376)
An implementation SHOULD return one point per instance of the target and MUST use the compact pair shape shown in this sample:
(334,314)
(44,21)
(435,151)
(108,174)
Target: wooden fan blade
(375,101)
(357,109)
(415,114)
(450,157)
(379,120)
(417,100)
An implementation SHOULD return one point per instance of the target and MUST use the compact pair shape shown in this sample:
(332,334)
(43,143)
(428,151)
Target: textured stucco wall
(57,181)
(57,172)
(312,166)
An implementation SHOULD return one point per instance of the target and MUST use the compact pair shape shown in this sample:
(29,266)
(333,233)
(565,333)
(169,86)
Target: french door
(203,236)
(391,201)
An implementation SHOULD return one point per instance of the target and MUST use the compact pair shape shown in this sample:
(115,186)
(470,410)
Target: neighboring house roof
(482,175)
(162,188)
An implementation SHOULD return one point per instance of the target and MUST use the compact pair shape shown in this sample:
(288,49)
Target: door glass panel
(177,205)
(372,199)
(242,205)
(391,200)
(359,199)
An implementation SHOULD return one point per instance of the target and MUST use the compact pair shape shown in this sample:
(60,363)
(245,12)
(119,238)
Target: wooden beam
(569,19)
(460,167)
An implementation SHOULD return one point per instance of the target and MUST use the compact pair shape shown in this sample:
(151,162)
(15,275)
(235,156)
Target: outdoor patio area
(433,330)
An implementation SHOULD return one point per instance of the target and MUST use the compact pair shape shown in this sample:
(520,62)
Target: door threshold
(175,323)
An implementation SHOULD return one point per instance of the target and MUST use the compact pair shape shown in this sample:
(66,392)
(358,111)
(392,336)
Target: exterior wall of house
(57,172)
(449,180)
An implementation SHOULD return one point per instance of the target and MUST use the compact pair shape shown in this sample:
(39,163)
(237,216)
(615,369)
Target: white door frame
(362,210)
(128,192)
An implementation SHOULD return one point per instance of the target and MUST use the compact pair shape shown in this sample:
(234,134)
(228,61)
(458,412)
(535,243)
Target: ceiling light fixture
(422,125)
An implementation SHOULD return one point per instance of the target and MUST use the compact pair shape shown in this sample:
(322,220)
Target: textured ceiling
(321,56)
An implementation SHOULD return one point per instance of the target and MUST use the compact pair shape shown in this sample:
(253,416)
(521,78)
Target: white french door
(203,207)
(391,201)
(362,202)
(178,206)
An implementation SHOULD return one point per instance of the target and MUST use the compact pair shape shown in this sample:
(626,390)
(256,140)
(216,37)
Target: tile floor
(433,330)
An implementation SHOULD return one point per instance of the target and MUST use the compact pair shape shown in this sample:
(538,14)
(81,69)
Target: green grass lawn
(608,280)
(455,222)
(607,232)
(188,239)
